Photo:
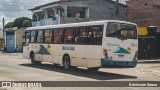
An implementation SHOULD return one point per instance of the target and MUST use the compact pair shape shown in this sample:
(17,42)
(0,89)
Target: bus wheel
(66,62)
(33,59)
(93,69)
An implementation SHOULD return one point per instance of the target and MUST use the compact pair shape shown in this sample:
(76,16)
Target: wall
(144,12)
(19,39)
(104,10)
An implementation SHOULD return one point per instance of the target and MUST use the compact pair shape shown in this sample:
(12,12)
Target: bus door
(93,48)
(47,57)
(38,48)
(26,39)
(80,48)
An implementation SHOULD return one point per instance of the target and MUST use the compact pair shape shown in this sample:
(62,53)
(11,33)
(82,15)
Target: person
(91,38)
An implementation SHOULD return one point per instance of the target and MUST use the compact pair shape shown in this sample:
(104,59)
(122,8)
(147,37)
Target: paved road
(15,68)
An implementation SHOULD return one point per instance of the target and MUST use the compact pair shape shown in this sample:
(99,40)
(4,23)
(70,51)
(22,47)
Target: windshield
(27,37)
(122,31)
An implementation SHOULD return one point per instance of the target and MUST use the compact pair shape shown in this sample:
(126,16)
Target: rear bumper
(118,64)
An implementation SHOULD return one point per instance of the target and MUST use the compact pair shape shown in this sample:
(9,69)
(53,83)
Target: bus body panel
(26,52)
(122,50)
(93,55)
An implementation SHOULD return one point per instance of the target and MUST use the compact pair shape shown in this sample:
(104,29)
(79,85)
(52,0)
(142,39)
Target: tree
(27,23)
(22,22)
(9,25)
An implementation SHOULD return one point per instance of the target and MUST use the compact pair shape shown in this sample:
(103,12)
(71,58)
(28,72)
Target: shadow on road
(81,72)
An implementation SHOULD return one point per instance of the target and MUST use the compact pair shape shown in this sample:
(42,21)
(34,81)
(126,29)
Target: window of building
(40,37)
(68,36)
(33,36)
(80,35)
(58,36)
(48,36)
(76,12)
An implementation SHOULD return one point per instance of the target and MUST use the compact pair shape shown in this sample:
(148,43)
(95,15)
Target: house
(13,39)
(72,11)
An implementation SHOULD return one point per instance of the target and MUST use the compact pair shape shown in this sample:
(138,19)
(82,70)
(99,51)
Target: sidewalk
(149,61)
(152,67)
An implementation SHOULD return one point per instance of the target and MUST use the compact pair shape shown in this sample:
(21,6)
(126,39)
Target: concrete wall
(19,39)
(104,9)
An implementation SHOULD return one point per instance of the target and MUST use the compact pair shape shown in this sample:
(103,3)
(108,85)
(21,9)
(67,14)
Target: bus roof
(76,24)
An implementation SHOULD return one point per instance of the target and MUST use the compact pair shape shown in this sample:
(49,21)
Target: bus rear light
(136,53)
(136,56)
(105,53)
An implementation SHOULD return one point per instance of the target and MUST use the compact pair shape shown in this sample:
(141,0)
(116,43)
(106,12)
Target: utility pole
(117,9)
(3,21)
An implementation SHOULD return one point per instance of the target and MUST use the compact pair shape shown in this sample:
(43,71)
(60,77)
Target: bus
(92,45)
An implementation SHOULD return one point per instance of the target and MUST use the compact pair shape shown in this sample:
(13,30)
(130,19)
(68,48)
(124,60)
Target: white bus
(95,44)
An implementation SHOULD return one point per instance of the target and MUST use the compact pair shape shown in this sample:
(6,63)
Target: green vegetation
(20,22)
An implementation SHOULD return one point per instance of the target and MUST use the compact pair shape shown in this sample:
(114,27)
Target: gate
(10,42)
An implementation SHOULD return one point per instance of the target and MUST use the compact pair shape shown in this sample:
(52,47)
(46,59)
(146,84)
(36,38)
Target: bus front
(120,45)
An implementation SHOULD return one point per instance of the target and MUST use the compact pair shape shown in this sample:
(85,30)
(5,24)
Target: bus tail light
(105,53)
(136,56)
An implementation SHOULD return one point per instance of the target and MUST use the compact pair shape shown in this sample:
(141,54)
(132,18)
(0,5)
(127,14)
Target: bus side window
(52,38)
(58,36)
(48,36)
(99,35)
(95,34)
(40,37)
(80,35)
(68,36)
(27,37)
(33,36)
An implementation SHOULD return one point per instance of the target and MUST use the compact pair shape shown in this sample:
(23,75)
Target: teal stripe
(116,63)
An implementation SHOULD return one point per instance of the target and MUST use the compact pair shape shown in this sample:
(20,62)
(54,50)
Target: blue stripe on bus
(116,63)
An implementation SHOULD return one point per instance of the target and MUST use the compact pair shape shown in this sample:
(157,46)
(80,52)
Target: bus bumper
(118,64)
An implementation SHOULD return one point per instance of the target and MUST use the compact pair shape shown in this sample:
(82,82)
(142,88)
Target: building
(1,33)
(14,40)
(144,12)
(72,11)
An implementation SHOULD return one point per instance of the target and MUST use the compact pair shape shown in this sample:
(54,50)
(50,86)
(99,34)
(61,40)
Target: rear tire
(33,61)
(66,63)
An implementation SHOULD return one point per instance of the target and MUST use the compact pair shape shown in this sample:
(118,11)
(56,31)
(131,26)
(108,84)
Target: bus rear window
(122,30)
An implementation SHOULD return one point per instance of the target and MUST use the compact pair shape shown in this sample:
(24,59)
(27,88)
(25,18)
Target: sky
(11,9)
